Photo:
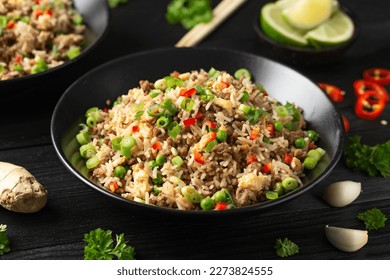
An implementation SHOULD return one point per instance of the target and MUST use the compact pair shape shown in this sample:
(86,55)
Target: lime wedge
(337,30)
(275,27)
(308,14)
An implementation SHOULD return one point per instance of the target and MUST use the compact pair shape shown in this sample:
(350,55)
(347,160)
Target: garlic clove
(346,239)
(342,193)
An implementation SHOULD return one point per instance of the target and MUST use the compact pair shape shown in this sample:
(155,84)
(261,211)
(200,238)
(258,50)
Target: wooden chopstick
(222,11)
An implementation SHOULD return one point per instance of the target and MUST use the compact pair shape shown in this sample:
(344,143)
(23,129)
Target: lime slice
(277,29)
(337,30)
(308,14)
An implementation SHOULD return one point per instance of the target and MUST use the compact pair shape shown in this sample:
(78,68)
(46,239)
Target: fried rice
(37,35)
(198,140)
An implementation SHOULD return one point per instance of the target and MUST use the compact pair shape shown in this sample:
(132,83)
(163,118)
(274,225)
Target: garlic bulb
(346,239)
(342,193)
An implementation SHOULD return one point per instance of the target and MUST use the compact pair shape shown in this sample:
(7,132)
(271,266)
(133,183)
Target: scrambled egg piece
(253,182)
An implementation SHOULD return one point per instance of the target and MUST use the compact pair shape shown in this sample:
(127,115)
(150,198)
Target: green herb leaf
(285,247)
(100,246)
(374,160)
(189,13)
(4,240)
(373,218)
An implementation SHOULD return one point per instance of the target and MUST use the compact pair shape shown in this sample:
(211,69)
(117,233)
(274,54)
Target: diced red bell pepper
(287,158)
(18,59)
(251,159)
(199,115)
(220,206)
(156,146)
(266,168)
(254,134)
(377,75)
(189,121)
(369,106)
(48,12)
(10,24)
(198,157)
(187,93)
(135,128)
(224,84)
(334,92)
(362,86)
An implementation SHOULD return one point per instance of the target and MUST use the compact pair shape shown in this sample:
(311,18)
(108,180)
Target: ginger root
(19,190)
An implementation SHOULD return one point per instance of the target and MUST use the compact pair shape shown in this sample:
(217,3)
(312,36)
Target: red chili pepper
(198,157)
(251,159)
(369,106)
(254,134)
(211,125)
(187,93)
(199,115)
(156,146)
(287,158)
(135,128)
(334,92)
(377,75)
(175,74)
(271,129)
(362,86)
(346,123)
(113,186)
(213,136)
(266,168)
(10,24)
(189,121)
(37,13)
(220,206)
(48,12)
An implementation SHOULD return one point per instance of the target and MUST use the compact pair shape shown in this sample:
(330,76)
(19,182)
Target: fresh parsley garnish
(100,246)
(116,3)
(374,160)
(4,240)
(373,218)
(285,247)
(189,13)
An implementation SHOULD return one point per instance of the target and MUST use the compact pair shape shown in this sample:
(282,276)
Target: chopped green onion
(156,190)
(221,135)
(191,194)
(309,163)
(245,96)
(322,151)
(91,121)
(291,126)
(2,68)
(168,105)
(92,162)
(127,143)
(207,203)
(120,171)
(40,65)
(139,200)
(156,111)
(160,160)
(116,143)
(172,82)
(87,150)
(260,87)
(78,20)
(244,108)
(281,111)
(152,164)
(174,129)
(73,52)
(290,183)
(177,161)
(187,104)
(138,115)
(154,93)
(242,72)
(210,146)
(292,111)
(312,135)
(199,90)
(83,137)
(278,188)
(93,111)
(160,84)
(18,67)
(159,180)
(163,121)
(266,140)
(271,195)
(314,154)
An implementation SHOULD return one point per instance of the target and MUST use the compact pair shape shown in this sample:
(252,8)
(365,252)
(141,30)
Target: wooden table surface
(56,232)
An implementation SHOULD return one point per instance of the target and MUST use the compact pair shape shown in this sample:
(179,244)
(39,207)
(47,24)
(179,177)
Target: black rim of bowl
(56,140)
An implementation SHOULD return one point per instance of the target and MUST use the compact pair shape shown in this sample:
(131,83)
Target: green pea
(220,196)
(120,171)
(278,126)
(160,160)
(300,143)
(290,183)
(207,203)
(309,163)
(312,135)
(314,154)
(221,135)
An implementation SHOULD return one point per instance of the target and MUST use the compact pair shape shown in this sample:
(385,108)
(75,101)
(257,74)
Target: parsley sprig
(4,240)
(373,218)
(100,246)
(374,160)
(285,247)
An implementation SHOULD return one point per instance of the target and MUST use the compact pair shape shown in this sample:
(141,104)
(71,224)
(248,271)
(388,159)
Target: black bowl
(96,15)
(116,77)
(304,55)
